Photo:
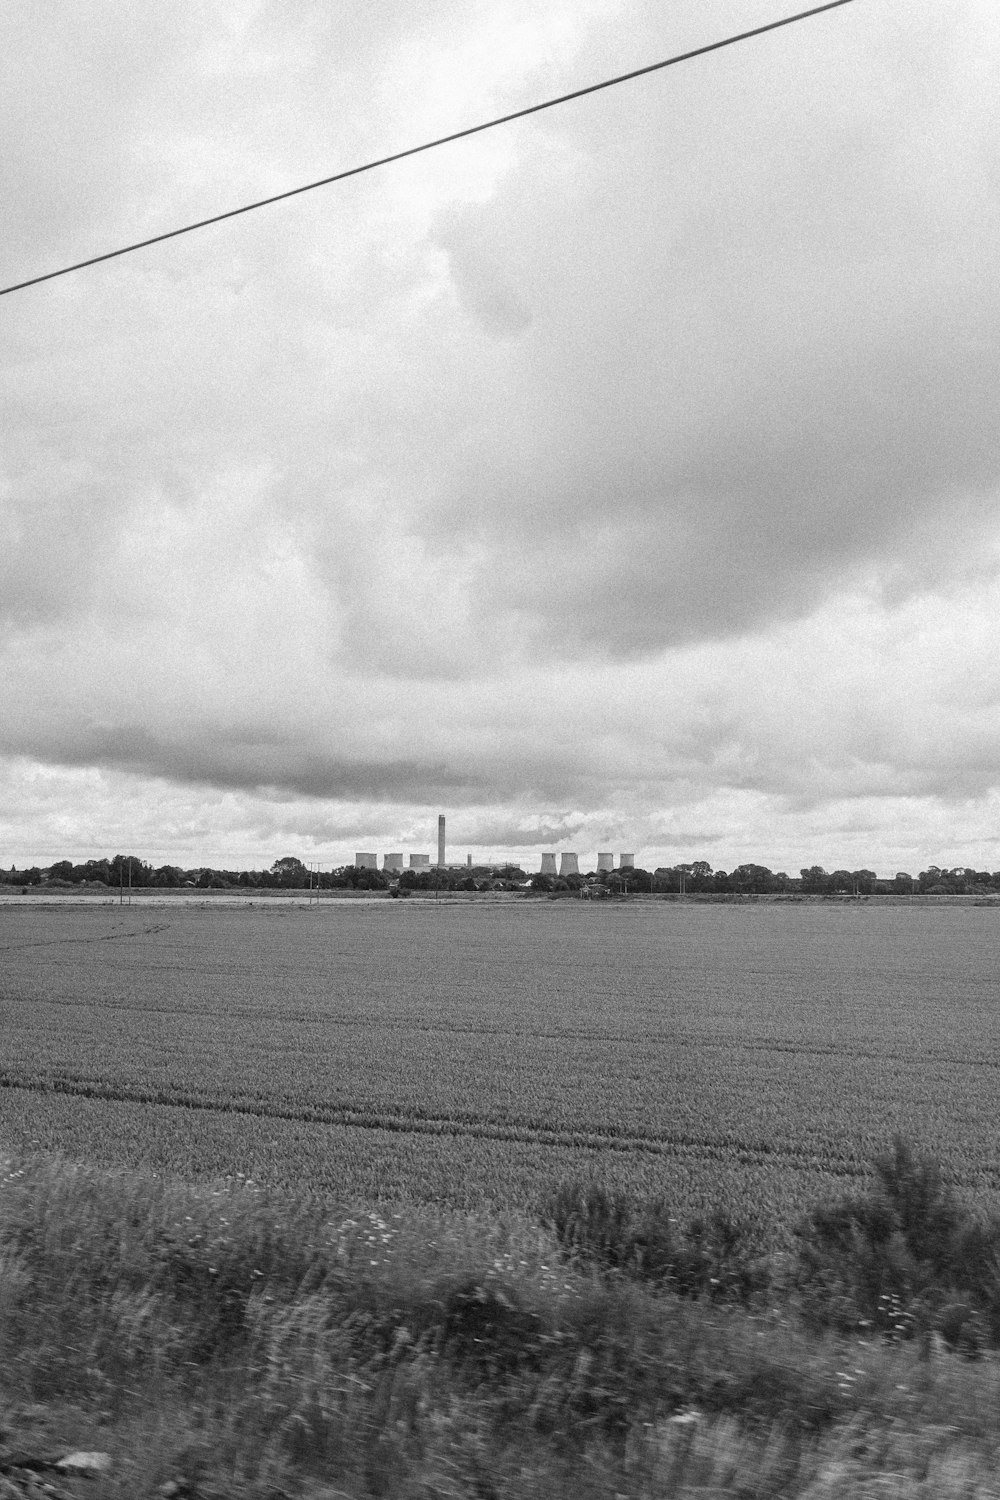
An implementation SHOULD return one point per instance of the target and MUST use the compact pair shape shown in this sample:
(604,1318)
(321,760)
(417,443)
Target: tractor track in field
(104,937)
(678,1145)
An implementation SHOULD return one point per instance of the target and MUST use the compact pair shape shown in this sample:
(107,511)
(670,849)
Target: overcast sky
(624,478)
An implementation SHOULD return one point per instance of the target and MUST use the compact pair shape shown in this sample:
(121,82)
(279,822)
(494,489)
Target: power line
(443,140)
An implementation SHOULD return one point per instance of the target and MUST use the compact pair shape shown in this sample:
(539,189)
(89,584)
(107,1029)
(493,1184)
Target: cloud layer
(629,474)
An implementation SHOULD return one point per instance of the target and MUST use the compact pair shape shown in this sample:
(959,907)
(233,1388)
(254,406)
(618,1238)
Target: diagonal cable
(442,140)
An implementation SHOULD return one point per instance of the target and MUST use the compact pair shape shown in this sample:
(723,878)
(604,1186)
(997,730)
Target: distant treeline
(290,873)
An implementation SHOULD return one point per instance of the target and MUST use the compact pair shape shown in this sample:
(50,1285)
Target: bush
(906,1259)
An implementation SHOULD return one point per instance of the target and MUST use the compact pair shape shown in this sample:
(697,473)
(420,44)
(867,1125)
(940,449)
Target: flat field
(753,1056)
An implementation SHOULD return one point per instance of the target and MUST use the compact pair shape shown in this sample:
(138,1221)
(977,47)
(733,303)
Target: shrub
(907,1258)
(591,1223)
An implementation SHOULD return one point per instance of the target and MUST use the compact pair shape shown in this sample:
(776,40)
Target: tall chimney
(441,841)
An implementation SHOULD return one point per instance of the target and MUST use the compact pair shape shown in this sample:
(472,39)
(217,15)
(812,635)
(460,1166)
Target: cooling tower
(366,861)
(441,841)
(392,862)
(548,864)
(569,864)
(628,862)
(605,861)
(420,861)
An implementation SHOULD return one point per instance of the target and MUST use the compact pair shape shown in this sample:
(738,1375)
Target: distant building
(441,841)
(628,861)
(366,861)
(392,862)
(569,864)
(420,861)
(605,861)
(548,864)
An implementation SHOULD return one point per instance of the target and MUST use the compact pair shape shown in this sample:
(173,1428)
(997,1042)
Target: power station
(568,860)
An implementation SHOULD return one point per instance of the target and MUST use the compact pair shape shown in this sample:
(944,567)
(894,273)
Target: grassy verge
(228,1341)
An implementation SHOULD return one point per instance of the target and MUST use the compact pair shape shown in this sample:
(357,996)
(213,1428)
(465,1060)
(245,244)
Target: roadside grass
(232,1341)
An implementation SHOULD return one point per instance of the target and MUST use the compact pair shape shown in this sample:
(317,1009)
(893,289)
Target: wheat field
(751,1057)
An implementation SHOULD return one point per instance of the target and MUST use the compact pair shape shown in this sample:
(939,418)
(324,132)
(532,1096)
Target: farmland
(753,1057)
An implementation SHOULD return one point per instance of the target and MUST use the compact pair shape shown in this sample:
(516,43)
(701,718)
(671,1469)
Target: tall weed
(715,1256)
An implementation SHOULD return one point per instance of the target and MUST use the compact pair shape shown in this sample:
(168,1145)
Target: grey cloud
(279,769)
(792,362)
(393,498)
(476,259)
(585,832)
(498,833)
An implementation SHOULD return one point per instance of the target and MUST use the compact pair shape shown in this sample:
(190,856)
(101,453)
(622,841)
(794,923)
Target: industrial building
(569,863)
(562,864)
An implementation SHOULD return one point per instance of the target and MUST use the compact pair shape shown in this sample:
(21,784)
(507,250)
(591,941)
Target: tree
(289,870)
(753,879)
(370,880)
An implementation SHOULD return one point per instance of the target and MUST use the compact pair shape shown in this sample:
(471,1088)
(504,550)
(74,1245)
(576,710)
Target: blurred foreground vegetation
(226,1341)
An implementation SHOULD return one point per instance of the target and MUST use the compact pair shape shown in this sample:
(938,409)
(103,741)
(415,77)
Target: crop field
(749,1056)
